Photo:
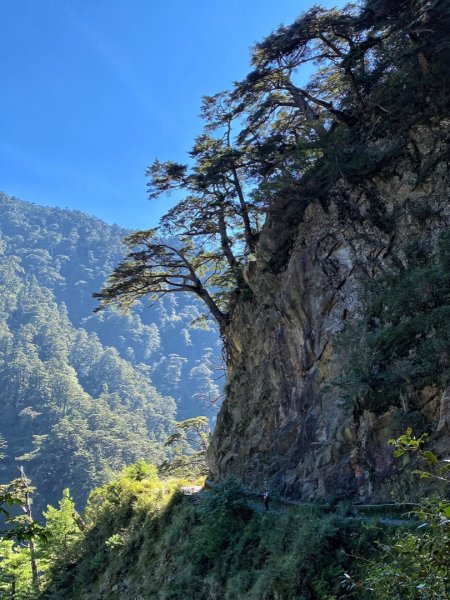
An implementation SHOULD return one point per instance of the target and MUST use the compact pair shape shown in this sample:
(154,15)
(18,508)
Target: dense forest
(276,154)
(83,395)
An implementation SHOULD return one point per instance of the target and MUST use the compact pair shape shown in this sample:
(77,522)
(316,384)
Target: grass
(147,540)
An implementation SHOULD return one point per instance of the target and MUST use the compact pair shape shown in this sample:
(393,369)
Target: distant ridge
(82,395)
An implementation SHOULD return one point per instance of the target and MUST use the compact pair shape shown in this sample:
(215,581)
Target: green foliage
(203,243)
(18,565)
(17,494)
(194,430)
(63,528)
(3,445)
(144,538)
(114,520)
(83,395)
(272,144)
(79,409)
(402,346)
(224,515)
(415,566)
(15,572)
(29,551)
(188,446)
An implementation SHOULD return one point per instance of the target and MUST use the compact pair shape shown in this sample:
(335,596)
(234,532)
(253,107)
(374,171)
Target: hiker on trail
(266,500)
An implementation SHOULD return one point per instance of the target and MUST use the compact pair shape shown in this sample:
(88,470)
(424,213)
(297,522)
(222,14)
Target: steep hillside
(318,237)
(145,538)
(82,395)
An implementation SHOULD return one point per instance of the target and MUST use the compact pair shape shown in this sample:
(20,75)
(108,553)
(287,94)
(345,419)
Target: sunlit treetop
(261,138)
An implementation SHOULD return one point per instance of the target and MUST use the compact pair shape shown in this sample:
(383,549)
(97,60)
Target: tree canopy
(262,137)
(83,395)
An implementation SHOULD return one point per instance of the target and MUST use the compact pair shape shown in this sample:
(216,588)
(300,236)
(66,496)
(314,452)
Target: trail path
(390,514)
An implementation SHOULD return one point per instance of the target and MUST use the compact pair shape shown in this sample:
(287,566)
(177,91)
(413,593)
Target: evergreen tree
(63,531)
(82,395)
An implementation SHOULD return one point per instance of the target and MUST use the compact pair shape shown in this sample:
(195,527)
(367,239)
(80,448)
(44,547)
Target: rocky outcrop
(284,423)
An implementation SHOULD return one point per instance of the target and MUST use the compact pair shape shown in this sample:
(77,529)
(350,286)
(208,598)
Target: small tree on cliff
(285,126)
(204,241)
(189,444)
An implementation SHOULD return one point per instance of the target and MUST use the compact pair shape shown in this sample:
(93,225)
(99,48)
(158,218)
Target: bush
(218,544)
(402,345)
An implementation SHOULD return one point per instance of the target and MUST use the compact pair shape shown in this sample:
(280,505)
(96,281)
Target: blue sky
(92,91)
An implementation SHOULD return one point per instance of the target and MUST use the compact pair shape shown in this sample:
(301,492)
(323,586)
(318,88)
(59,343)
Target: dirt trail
(392,514)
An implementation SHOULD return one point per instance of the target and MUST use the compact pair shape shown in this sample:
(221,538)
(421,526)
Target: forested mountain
(317,234)
(82,395)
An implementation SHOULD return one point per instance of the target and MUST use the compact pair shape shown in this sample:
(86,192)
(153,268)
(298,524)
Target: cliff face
(284,423)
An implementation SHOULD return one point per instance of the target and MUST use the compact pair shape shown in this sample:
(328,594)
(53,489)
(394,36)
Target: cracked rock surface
(284,424)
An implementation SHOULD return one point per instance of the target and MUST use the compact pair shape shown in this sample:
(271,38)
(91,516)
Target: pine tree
(63,530)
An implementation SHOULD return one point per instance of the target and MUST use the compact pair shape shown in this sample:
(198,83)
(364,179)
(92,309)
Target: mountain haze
(82,395)
(315,226)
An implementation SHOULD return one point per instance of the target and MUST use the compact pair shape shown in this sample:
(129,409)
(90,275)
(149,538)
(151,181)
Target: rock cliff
(284,423)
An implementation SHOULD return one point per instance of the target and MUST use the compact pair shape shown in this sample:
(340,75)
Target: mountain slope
(82,395)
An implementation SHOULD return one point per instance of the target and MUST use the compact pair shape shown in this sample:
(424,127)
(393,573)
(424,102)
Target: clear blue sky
(92,91)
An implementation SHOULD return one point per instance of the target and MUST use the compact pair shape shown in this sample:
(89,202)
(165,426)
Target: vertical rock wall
(284,423)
